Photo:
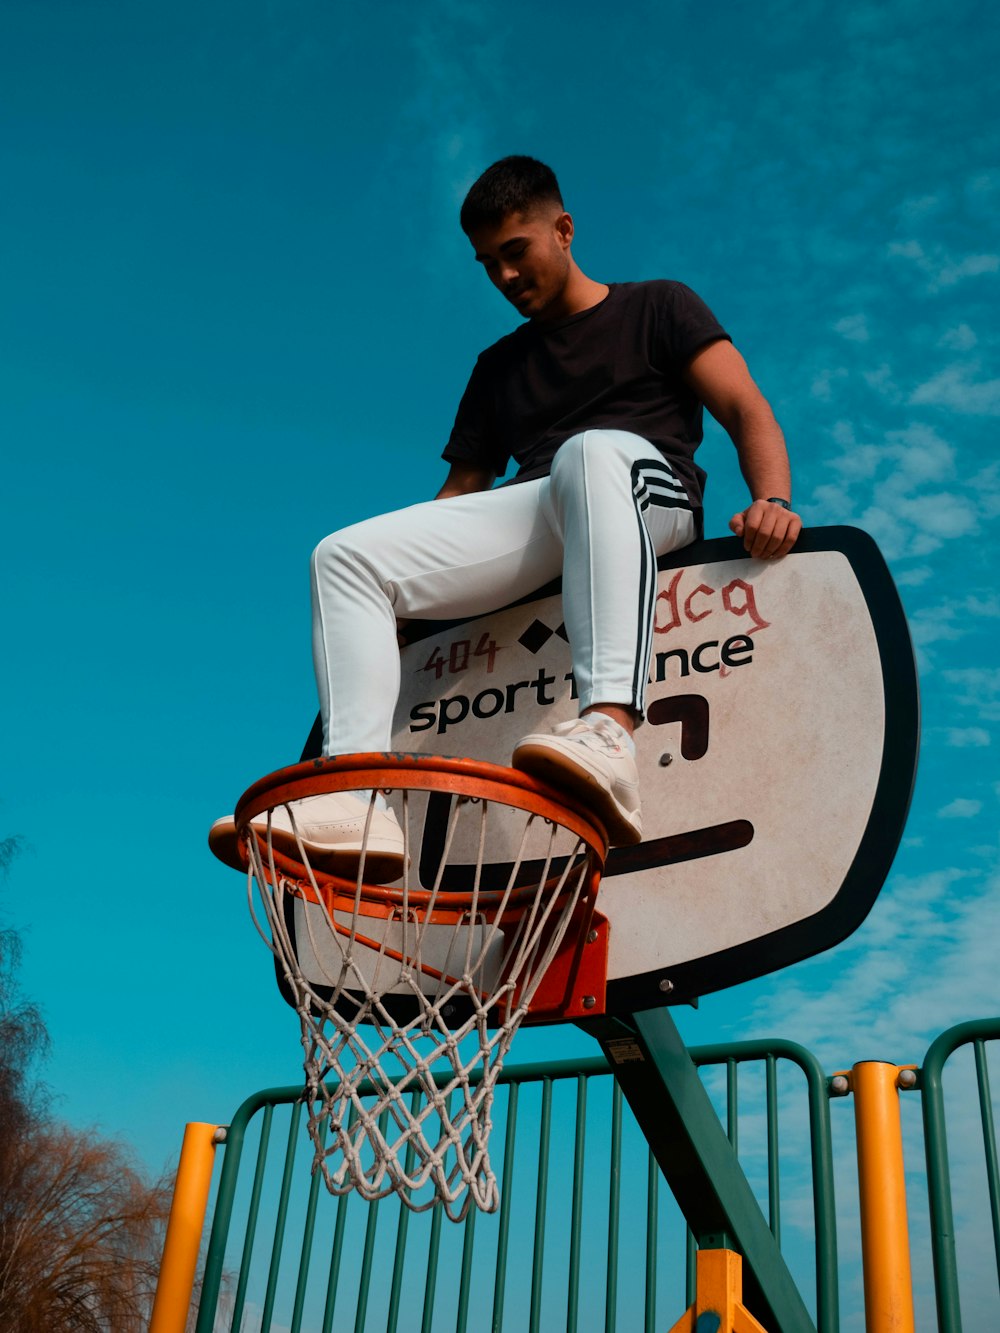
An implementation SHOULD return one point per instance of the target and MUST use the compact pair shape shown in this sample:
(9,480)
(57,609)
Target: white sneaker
(331,828)
(589,760)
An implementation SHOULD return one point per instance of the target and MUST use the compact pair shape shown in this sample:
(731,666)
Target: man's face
(526,257)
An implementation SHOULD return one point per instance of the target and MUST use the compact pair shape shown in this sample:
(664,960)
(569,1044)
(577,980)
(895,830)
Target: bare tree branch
(81,1228)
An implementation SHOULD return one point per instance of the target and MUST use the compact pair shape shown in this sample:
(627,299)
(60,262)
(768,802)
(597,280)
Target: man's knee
(329,551)
(586,455)
(339,551)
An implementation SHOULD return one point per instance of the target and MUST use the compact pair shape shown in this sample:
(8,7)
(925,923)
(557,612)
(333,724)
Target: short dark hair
(512,185)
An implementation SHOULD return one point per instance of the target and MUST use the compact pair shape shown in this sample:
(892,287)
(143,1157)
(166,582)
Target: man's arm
(720,378)
(464,479)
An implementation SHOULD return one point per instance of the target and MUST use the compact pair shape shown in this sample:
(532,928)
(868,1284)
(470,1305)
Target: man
(598,398)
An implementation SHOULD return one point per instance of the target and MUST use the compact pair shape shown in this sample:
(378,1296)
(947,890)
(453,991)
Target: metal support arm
(662,1086)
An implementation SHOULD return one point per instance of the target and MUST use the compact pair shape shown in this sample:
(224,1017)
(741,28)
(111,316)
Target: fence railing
(942,1222)
(586,1236)
(580,1213)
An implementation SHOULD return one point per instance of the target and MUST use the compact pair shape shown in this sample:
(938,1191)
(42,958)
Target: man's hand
(768,530)
(464,479)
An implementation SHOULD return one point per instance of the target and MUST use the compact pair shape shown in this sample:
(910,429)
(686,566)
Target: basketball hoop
(409,994)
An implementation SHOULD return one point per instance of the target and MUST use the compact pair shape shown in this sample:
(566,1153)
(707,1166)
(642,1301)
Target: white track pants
(610,505)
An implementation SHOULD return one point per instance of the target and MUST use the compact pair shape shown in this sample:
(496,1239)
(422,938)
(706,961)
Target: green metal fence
(585,1237)
(939,1184)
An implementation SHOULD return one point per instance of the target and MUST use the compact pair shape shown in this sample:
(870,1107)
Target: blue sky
(238,313)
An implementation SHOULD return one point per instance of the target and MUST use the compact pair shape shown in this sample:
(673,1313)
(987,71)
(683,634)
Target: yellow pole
(885,1242)
(184,1228)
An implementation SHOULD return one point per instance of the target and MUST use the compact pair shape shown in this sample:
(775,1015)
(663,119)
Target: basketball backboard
(777,760)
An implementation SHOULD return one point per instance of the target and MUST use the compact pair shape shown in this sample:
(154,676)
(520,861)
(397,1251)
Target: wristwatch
(777,500)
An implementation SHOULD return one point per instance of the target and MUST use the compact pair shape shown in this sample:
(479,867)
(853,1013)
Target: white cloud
(858,462)
(913,578)
(854,328)
(917,208)
(949,621)
(960,808)
(934,624)
(823,384)
(956,388)
(830,504)
(972,266)
(986,486)
(978,688)
(964,737)
(941,268)
(986,607)
(919,526)
(882,382)
(958,339)
(921,456)
(984,182)
(923,960)
(888,532)
(945,514)
(906,490)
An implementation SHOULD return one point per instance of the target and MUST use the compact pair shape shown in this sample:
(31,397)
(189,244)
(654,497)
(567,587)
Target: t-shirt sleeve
(474,437)
(689,324)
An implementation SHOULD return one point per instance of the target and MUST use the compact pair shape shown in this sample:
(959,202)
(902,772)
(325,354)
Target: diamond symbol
(536,636)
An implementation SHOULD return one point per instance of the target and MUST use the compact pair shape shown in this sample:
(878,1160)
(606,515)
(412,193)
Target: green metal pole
(367,1257)
(989,1145)
(252,1216)
(402,1230)
(661,1084)
(821,1148)
(308,1232)
(433,1255)
(271,1290)
(614,1210)
(773,1182)
(214,1259)
(336,1256)
(465,1282)
(938,1173)
(506,1193)
(541,1203)
(576,1220)
(732,1104)
(652,1229)
(336,1253)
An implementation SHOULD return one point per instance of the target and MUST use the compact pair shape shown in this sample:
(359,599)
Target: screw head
(666,985)
(591,936)
(907,1078)
(589,1001)
(839,1085)
(666,760)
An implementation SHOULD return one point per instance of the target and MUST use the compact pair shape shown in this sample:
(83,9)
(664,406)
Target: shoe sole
(560,771)
(383,863)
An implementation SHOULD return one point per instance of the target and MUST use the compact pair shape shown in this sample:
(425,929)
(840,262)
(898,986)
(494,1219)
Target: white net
(409,997)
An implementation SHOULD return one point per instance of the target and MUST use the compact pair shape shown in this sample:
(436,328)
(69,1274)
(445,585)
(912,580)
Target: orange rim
(385,900)
(430,773)
(396,772)
(417,772)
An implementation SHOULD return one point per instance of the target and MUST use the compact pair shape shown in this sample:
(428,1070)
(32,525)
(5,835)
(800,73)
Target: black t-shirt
(618,365)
